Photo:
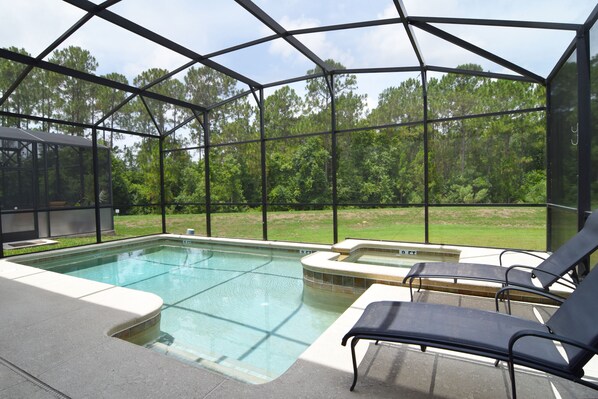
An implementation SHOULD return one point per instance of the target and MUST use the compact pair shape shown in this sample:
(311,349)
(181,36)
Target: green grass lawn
(523,228)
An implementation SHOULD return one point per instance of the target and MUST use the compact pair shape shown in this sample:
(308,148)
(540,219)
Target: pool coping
(144,307)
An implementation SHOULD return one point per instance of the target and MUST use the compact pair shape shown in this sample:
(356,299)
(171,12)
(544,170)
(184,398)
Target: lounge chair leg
(496,300)
(503,295)
(423,348)
(512,375)
(496,363)
(411,289)
(353,343)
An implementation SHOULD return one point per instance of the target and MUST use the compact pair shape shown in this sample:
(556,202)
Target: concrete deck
(59,345)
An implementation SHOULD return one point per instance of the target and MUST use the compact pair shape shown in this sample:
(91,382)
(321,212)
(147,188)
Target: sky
(206,26)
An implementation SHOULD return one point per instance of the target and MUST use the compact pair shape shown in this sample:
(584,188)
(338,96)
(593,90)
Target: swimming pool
(241,311)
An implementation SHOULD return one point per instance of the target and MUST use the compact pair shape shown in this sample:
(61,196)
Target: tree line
(496,158)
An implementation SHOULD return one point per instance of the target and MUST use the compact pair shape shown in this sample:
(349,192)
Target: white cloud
(389,12)
(386,46)
(34,24)
(373,84)
(318,43)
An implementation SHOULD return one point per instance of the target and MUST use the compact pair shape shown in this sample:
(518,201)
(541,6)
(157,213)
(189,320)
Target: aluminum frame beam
(477,50)
(410,34)
(88,77)
(497,22)
(82,21)
(267,20)
(158,39)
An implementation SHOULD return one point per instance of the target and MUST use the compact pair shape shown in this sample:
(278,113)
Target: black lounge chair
(517,277)
(491,334)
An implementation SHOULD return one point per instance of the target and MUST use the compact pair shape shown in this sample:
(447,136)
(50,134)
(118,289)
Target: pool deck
(55,341)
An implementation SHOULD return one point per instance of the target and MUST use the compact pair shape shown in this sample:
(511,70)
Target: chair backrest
(570,253)
(577,319)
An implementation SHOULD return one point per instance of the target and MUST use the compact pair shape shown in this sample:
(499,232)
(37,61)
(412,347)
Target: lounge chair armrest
(518,252)
(561,278)
(546,335)
(500,293)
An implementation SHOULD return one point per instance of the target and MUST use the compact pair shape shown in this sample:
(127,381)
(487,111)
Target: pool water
(398,258)
(242,312)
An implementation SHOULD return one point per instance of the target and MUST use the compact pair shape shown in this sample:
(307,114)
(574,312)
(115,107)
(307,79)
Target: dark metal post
(206,131)
(96,184)
(549,141)
(57,171)
(35,186)
(46,153)
(584,115)
(333,155)
(82,193)
(263,166)
(426,158)
(584,133)
(162,190)
(110,188)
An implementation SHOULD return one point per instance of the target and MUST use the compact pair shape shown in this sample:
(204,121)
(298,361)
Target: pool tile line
(277,275)
(192,264)
(142,256)
(146,279)
(248,326)
(176,267)
(238,271)
(172,266)
(219,284)
(273,333)
(213,316)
